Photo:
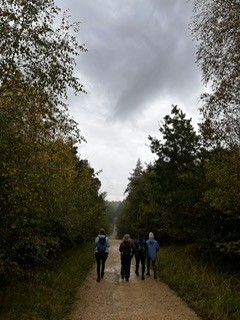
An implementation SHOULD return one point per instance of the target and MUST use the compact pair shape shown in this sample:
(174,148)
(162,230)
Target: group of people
(143,250)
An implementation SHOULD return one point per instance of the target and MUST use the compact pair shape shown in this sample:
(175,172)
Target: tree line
(49,195)
(191,192)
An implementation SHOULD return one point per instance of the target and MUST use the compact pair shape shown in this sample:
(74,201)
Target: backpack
(127,248)
(141,247)
(101,244)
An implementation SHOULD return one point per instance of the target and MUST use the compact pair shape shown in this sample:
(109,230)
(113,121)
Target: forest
(50,197)
(191,192)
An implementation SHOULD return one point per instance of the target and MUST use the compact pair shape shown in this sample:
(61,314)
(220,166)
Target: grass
(48,293)
(214,294)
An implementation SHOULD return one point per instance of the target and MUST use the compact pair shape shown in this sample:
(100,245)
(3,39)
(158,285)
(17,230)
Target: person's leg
(148,267)
(127,268)
(154,269)
(137,265)
(122,267)
(143,267)
(98,265)
(122,271)
(104,258)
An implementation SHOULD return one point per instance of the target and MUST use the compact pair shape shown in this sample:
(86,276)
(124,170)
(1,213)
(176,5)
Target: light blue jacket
(107,240)
(152,249)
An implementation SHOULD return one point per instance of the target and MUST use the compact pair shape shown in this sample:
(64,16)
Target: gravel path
(137,299)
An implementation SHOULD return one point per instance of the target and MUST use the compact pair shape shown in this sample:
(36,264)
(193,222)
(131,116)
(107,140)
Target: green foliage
(190,193)
(177,175)
(34,51)
(224,174)
(47,293)
(215,26)
(134,176)
(48,196)
(164,198)
(213,294)
(222,195)
(131,213)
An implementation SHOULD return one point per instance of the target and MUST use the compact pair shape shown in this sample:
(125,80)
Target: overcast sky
(140,61)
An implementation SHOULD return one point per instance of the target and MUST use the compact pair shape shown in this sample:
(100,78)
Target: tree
(35,52)
(44,196)
(177,174)
(128,217)
(165,197)
(222,171)
(215,26)
(134,176)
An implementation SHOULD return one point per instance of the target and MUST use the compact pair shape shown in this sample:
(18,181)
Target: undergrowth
(214,294)
(47,293)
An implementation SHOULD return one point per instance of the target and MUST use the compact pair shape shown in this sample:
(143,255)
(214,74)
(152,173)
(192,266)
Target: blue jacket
(152,249)
(96,241)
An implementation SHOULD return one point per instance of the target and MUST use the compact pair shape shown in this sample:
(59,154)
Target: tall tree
(128,218)
(36,52)
(215,26)
(137,171)
(40,203)
(222,171)
(178,173)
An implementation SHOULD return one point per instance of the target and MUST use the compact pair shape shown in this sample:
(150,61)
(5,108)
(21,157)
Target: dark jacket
(140,247)
(127,248)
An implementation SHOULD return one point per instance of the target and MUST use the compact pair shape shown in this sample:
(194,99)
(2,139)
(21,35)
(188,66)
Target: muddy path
(137,299)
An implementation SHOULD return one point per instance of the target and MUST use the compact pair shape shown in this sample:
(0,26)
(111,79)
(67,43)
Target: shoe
(155,276)
(148,273)
(127,279)
(98,279)
(136,272)
(143,278)
(102,274)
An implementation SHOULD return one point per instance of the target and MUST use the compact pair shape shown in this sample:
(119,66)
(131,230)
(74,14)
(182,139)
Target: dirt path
(137,299)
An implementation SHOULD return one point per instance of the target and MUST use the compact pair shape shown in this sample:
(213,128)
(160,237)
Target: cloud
(140,61)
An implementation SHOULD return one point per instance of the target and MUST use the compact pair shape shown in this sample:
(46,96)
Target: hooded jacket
(107,241)
(152,249)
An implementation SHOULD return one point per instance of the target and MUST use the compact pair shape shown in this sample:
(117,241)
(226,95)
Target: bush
(214,294)
(46,293)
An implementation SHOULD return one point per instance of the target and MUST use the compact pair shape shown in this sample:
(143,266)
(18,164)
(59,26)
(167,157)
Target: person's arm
(95,244)
(108,245)
(96,241)
(133,249)
(120,248)
(147,249)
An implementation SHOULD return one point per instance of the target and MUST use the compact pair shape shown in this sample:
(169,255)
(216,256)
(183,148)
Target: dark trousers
(101,259)
(125,266)
(141,259)
(153,265)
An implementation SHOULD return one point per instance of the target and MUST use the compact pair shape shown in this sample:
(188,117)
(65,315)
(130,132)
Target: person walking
(127,251)
(101,251)
(140,254)
(152,250)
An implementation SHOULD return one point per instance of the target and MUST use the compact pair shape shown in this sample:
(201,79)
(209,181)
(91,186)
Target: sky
(140,61)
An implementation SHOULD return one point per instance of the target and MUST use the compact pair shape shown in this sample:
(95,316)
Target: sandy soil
(137,299)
